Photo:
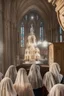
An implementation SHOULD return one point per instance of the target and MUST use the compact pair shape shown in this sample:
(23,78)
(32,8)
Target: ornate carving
(60,16)
(52,1)
(59,10)
(32,53)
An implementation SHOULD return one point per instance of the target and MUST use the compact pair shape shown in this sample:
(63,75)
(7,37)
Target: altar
(32,55)
(43,67)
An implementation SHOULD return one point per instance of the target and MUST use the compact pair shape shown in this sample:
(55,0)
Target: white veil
(6,87)
(22,85)
(35,77)
(57,90)
(11,73)
(55,69)
(48,81)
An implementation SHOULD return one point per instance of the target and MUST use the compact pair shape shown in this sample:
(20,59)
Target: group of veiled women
(32,84)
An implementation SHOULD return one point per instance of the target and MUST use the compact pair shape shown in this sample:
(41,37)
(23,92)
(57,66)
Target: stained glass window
(60,32)
(22,35)
(60,38)
(41,31)
(26,17)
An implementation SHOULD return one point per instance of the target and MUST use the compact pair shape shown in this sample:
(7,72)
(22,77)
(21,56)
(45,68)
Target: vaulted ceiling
(41,6)
(21,7)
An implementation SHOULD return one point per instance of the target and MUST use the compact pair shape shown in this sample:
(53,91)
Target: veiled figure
(6,87)
(11,73)
(22,85)
(35,77)
(57,90)
(48,81)
(55,70)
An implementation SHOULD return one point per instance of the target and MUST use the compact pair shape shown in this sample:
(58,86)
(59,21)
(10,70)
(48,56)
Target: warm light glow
(32,17)
(49,43)
(35,44)
(45,44)
(50,1)
(39,42)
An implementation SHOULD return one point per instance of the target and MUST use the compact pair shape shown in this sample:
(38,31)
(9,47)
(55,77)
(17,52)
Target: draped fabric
(55,69)
(57,90)
(35,77)
(6,87)
(11,73)
(22,85)
(48,81)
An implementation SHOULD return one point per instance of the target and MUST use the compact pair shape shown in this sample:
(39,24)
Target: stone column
(1,38)
(7,40)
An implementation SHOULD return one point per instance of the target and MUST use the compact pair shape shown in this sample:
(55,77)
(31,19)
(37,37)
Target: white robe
(48,81)
(35,77)
(57,90)
(6,87)
(22,85)
(11,73)
(55,69)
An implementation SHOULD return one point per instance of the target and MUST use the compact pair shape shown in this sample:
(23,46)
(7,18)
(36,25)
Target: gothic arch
(33,7)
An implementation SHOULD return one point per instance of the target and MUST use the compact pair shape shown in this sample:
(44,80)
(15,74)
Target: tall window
(60,34)
(41,31)
(22,35)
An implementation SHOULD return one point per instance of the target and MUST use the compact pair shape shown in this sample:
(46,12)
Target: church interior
(32,47)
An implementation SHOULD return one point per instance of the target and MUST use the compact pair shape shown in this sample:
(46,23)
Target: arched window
(41,31)
(22,35)
(60,34)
